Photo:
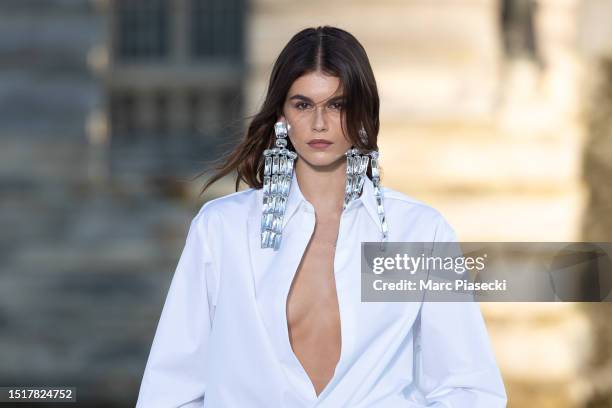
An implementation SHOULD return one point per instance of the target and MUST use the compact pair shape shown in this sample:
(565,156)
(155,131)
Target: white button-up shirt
(222,339)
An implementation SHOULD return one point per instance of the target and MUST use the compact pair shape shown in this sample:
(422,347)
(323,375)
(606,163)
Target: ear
(282,118)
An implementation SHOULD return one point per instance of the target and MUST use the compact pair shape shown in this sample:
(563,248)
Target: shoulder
(230,207)
(225,213)
(409,210)
(402,203)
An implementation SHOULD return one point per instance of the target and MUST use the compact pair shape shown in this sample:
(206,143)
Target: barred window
(142,29)
(194,103)
(122,113)
(217,28)
(161,113)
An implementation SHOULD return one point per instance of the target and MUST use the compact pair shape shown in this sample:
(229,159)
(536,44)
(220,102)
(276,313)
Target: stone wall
(596,47)
(85,260)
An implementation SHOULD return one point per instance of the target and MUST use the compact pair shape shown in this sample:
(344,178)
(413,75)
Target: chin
(323,159)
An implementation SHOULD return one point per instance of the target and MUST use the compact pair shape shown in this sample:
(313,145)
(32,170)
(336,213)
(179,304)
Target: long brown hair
(327,49)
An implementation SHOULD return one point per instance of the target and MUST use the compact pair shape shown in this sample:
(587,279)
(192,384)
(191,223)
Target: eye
(336,105)
(302,105)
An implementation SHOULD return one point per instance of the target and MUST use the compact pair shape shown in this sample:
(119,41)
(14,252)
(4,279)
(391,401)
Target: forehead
(316,85)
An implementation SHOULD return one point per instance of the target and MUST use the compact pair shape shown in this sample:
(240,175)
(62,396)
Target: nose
(319,123)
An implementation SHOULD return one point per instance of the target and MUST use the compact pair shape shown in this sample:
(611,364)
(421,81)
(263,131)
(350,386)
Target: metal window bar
(143,28)
(216,28)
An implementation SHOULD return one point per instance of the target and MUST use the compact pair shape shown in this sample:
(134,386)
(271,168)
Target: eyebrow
(307,99)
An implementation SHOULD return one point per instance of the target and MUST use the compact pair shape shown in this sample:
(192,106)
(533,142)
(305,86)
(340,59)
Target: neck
(323,187)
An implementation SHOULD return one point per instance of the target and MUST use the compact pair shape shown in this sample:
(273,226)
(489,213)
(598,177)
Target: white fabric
(222,338)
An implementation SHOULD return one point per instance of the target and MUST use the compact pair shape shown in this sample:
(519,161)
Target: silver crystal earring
(278,174)
(356,172)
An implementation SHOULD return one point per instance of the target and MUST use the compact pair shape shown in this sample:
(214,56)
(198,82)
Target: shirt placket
(296,374)
(342,264)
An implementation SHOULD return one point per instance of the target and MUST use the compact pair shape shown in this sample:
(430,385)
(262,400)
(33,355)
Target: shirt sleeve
(456,367)
(173,376)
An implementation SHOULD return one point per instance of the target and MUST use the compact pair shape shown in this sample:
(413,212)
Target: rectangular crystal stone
(360,183)
(269,218)
(265,238)
(267,165)
(266,185)
(276,225)
(275,164)
(350,182)
(277,239)
(283,204)
(266,204)
(349,185)
(364,164)
(349,165)
(279,130)
(375,172)
(356,165)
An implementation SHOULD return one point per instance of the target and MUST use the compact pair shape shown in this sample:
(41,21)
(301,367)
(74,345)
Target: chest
(313,290)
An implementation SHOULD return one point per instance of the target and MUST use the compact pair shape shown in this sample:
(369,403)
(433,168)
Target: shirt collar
(297,199)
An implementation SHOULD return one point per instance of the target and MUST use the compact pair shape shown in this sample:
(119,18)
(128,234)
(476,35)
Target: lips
(319,142)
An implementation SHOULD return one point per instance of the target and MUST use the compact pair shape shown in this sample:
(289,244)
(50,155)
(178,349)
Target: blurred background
(496,112)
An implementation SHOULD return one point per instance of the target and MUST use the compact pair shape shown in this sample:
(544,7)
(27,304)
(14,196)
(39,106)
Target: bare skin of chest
(313,314)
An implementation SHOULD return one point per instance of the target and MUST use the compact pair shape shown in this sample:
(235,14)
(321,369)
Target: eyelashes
(305,105)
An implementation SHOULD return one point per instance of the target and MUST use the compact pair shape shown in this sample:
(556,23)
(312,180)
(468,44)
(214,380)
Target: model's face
(314,110)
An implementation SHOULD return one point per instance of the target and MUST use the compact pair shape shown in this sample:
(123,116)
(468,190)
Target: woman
(264,308)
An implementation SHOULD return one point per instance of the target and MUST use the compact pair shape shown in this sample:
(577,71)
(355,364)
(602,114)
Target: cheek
(299,129)
(337,122)
(339,126)
(300,124)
